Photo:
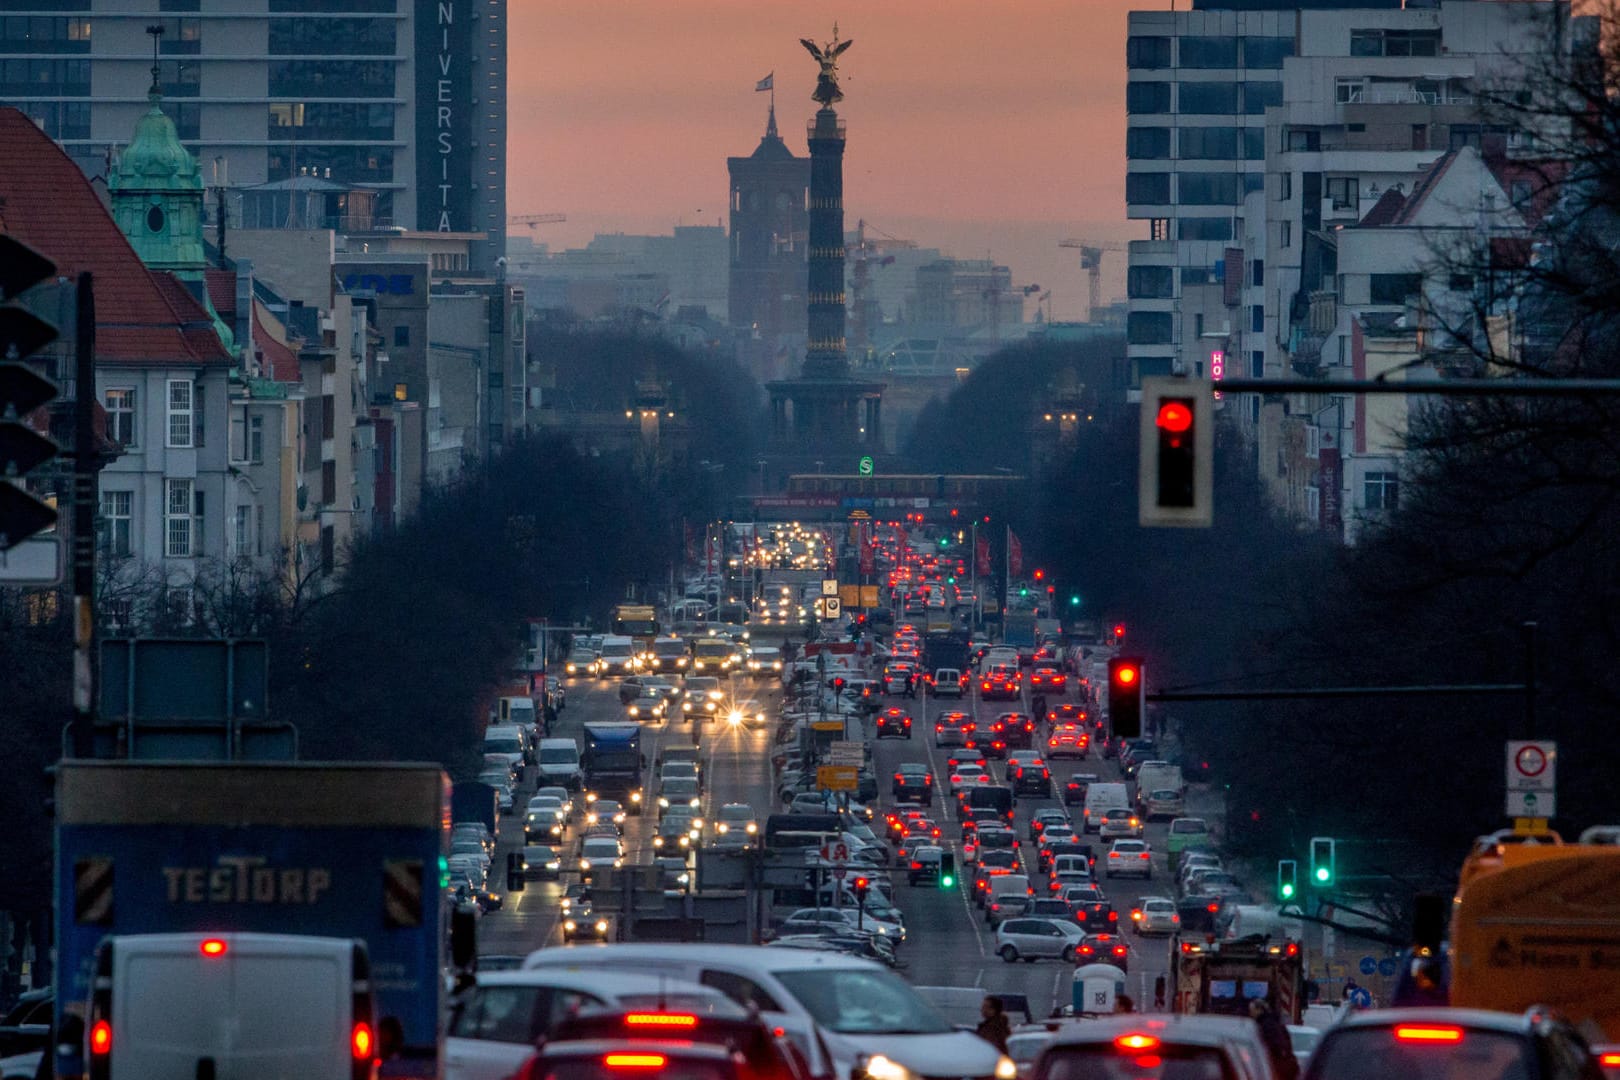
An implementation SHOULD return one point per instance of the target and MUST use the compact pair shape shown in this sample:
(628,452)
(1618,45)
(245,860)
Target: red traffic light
(1126,674)
(1119,630)
(1175,417)
(1040,575)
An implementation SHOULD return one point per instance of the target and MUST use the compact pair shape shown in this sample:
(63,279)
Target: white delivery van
(506,741)
(231,1007)
(833,1006)
(1008,885)
(558,763)
(616,658)
(1158,776)
(517,710)
(1101,798)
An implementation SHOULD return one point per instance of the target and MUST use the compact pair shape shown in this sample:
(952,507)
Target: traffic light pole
(85,465)
(1340,692)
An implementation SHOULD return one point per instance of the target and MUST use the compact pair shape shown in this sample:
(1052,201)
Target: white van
(1101,798)
(558,763)
(1158,776)
(616,658)
(858,1008)
(495,1023)
(231,1006)
(517,710)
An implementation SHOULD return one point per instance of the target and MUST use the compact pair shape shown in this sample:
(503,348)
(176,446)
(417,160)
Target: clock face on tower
(154,219)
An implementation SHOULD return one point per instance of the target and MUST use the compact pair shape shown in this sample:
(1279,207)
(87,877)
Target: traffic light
(22,392)
(1287,879)
(1323,859)
(861,886)
(1023,590)
(1119,632)
(1040,575)
(1125,696)
(1175,477)
(1074,600)
(947,869)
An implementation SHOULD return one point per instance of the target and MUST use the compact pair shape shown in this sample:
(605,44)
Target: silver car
(1155,915)
(1034,939)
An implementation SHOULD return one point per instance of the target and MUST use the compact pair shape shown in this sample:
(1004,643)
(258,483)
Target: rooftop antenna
(156,30)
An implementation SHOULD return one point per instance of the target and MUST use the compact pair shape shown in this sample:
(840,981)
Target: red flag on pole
(981,556)
(1015,555)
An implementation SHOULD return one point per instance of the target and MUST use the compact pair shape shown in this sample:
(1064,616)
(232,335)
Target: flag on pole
(767,83)
(1015,555)
(981,556)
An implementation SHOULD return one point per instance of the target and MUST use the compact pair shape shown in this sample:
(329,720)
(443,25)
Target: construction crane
(531,220)
(862,308)
(992,297)
(1091,262)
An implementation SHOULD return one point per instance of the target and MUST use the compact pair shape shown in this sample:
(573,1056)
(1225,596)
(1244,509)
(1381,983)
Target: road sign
(829,586)
(1361,997)
(869,596)
(1525,826)
(1386,967)
(847,752)
(831,607)
(1532,766)
(1368,965)
(837,852)
(836,778)
(865,466)
(1532,804)
(839,871)
(35,561)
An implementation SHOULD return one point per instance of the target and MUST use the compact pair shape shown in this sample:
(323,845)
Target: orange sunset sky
(988,127)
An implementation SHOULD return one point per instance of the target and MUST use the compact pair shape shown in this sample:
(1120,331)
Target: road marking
(943,792)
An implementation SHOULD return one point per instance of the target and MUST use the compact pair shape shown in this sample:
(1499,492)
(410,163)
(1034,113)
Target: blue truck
(330,850)
(612,762)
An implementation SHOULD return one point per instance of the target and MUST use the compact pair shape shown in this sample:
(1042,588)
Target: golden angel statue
(827,56)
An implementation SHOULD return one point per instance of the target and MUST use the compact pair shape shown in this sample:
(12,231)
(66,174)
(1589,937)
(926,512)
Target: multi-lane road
(948,943)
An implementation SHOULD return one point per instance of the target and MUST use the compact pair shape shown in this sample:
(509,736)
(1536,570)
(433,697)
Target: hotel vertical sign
(444,115)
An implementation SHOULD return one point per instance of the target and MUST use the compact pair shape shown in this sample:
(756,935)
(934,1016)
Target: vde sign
(1532,765)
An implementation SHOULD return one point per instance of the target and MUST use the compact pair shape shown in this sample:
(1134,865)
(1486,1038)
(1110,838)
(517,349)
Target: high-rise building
(406,98)
(769,243)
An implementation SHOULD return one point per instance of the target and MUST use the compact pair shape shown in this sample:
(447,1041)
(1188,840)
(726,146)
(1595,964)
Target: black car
(913,783)
(893,724)
(1097,917)
(1030,779)
(1018,731)
(1074,792)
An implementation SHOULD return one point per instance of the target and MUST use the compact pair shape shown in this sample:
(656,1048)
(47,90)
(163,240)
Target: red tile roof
(275,359)
(142,317)
(1385,210)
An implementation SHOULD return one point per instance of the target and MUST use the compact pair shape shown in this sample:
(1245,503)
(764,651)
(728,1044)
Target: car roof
(1188,1030)
(741,956)
(593,979)
(1514,1023)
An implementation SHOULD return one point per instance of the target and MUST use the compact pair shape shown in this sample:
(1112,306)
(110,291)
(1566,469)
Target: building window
(1257,364)
(1143,187)
(1150,143)
(1257,273)
(255,440)
(332,37)
(1381,490)
(1150,282)
(1260,96)
(1208,98)
(182,413)
(246,533)
(178,529)
(1313,441)
(1196,275)
(1313,504)
(1285,187)
(1393,288)
(117,521)
(1253,181)
(1266,52)
(1204,228)
(328,549)
(1147,97)
(1257,318)
(1209,52)
(1208,143)
(1147,52)
(1344,191)
(1208,189)
(1254,144)
(120,406)
(402,337)
(1149,327)
(1285,237)
(1302,140)
(1348,91)
(328,483)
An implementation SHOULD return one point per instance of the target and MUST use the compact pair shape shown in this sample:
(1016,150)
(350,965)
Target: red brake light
(663,1020)
(1428,1033)
(1609,1059)
(634,1061)
(213,946)
(1144,855)
(1213,908)
(916,866)
(1113,916)
(361,1042)
(101,1037)
(1119,950)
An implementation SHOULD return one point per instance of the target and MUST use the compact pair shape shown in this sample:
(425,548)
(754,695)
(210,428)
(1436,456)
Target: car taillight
(660,1020)
(1213,908)
(1609,1060)
(916,865)
(101,1038)
(1119,950)
(1137,1043)
(907,721)
(212,947)
(1142,855)
(1136,914)
(635,1061)
(1428,1033)
(1113,916)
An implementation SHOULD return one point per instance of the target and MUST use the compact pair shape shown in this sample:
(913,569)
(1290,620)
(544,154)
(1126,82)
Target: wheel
(1009,954)
(1068,954)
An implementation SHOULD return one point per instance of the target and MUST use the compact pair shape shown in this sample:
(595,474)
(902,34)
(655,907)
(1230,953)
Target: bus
(1536,921)
(638,622)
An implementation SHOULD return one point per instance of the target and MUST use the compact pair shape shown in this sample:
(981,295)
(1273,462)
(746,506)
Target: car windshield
(558,755)
(683,786)
(698,687)
(1185,826)
(1102,1061)
(1364,1053)
(614,649)
(669,649)
(510,744)
(859,1001)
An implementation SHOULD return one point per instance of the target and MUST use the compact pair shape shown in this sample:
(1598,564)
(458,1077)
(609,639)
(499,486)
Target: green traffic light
(1074,601)
(947,882)
(1023,592)
(1288,891)
(1322,874)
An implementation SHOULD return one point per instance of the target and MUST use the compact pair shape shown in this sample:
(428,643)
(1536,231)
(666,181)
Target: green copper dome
(155,160)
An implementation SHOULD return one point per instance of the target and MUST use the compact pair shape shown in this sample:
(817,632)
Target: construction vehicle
(1222,977)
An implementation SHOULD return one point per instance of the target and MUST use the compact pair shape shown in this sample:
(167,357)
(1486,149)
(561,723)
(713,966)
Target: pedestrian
(1158,992)
(1275,1035)
(1124,1003)
(994,1027)
(550,717)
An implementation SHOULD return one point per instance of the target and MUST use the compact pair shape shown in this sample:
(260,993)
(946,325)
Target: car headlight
(571,669)
(776,665)
(634,711)
(694,802)
(879,1067)
(735,717)
(663,803)
(584,864)
(601,926)
(658,841)
(686,841)
(618,819)
(570,926)
(686,706)
(722,828)
(1006,1068)
(554,864)
(681,662)
(635,796)
(752,828)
